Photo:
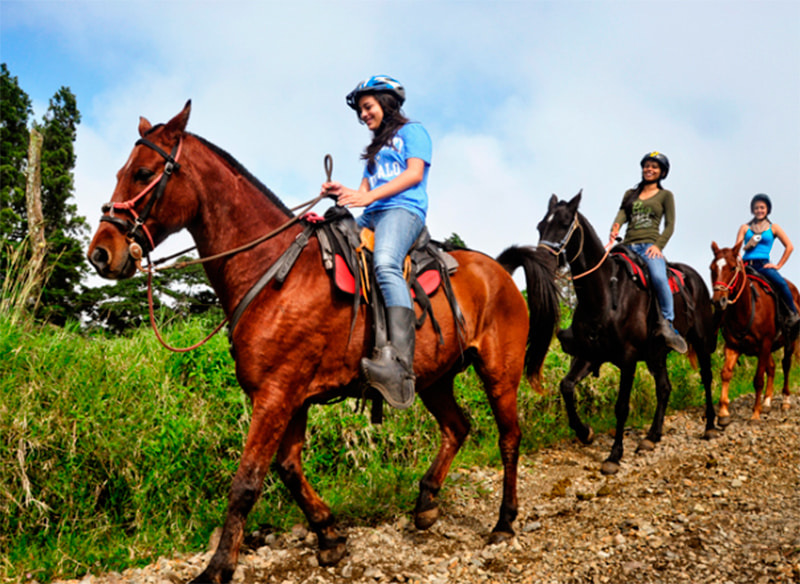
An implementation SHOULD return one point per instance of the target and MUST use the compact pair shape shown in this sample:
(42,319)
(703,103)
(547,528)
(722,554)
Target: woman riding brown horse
(293,346)
(747,310)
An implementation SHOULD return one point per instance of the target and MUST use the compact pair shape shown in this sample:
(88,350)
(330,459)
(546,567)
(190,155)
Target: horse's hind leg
(764,359)
(263,437)
(766,405)
(502,397)
(706,377)
(578,369)
(611,464)
(454,428)
(786,363)
(332,545)
(663,390)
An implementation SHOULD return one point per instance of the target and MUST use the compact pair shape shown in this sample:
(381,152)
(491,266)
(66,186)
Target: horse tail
(543,304)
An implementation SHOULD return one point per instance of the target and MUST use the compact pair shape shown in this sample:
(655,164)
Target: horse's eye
(143,175)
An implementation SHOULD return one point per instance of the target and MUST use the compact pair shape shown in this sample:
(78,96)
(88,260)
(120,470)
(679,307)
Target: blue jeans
(774,277)
(658,277)
(395,233)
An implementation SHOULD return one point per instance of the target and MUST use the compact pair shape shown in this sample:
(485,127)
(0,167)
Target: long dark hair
(633,194)
(393,120)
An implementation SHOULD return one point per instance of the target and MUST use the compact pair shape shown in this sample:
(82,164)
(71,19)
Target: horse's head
(143,210)
(558,225)
(727,274)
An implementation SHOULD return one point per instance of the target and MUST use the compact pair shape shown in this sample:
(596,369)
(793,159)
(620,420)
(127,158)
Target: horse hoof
(589,438)
(646,446)
(754,421)
(204,578)
(765,409)
(425,519)
(785,406)
(609,468)
(332,555)
(711,434)
(724,421)
(499,537)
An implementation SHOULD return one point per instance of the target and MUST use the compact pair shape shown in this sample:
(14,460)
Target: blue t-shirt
(763,247)
(411,141)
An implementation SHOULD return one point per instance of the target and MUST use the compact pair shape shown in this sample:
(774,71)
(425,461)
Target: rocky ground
(726,511)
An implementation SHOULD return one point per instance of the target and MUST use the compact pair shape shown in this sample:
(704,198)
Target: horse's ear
(553,202)
(715,248)
(144,126)
(736,249)
(576,200)
(178,123)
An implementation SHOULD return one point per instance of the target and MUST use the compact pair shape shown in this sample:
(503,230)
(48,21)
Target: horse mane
(245,173)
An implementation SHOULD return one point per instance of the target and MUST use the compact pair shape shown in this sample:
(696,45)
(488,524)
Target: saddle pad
(345,281)
(676,280)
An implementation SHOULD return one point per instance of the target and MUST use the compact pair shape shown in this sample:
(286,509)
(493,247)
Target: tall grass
(114,451)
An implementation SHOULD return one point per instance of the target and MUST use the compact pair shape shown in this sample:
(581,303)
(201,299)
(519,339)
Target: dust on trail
(692,511)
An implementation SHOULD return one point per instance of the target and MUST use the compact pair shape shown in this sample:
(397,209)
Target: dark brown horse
(613,322)
(293,346)
(749,326)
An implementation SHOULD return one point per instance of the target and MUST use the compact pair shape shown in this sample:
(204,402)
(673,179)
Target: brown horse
(613,322)
(749,326)
(294,347)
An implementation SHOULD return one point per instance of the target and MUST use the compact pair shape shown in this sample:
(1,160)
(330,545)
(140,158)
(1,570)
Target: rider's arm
(781,236)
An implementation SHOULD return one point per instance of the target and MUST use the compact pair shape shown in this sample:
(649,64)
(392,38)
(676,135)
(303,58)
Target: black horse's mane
(245,173)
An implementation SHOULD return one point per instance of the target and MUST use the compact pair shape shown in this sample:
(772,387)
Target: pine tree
(65,230)
(15,113)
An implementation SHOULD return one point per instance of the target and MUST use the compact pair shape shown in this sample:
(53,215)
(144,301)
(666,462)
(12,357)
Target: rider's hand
(654,252)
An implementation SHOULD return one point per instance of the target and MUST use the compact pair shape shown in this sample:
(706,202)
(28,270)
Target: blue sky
(522,99)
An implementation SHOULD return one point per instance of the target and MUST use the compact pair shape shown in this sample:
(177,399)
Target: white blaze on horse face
(721,263)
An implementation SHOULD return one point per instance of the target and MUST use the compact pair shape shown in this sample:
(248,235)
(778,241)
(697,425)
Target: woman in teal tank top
(758,237)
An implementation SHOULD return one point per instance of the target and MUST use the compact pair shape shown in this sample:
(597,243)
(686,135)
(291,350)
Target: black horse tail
(543,303)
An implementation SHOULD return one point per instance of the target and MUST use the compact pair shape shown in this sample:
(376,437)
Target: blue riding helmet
(377,84)
(763,198)
(662,160)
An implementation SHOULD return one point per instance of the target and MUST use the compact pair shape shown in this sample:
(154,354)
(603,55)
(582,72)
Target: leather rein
(140,241)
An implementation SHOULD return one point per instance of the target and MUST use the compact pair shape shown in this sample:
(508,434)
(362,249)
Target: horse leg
(758,381)
(332,545)
(766,405)
(503,401)
(786,363)
(706,378)
(263,436)
(731,356)
(663,390)
(578,370)
(611,464)
(454,428)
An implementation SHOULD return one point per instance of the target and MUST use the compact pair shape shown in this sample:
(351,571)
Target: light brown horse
(749,326)
(293,346)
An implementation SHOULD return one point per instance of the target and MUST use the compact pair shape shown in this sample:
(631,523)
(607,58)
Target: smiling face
(759,210)
(651,171)
(370,111)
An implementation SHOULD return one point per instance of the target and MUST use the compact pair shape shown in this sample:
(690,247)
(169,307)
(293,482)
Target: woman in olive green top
(643,208)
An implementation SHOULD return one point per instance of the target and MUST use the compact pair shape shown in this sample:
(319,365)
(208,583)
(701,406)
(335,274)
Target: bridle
(731,284)
(139,237)
(558,249)
(141,243)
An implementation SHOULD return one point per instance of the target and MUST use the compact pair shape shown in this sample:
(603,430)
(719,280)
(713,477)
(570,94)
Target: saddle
(636,269)
(782,312)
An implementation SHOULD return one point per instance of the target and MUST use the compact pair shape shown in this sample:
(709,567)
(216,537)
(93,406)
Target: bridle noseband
(731,284)
(139,237)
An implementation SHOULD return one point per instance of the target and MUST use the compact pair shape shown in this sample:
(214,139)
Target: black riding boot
(391,370)
(673,339)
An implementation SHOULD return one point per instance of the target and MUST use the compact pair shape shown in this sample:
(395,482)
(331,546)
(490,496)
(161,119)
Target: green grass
(114,451)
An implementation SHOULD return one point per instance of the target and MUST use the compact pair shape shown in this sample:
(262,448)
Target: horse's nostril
(99,257)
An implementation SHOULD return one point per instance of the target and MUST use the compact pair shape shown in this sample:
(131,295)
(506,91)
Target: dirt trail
(692,511)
